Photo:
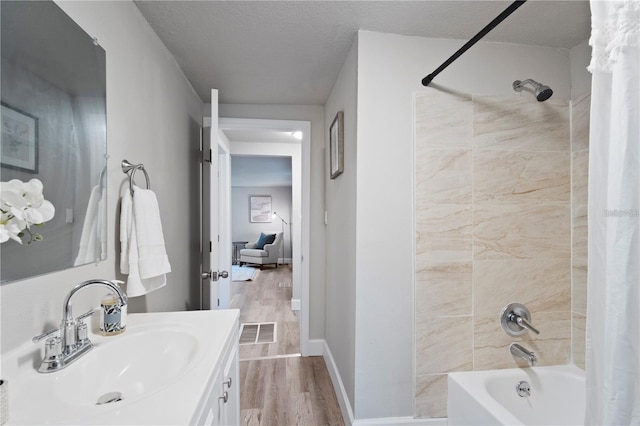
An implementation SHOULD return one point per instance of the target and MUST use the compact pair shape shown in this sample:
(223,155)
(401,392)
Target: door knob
(214,275)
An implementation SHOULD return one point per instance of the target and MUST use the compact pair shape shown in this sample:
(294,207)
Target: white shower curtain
(613,313)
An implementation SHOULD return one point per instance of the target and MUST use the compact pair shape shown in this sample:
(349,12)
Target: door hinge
(209,159)
(218,302)
(210,247)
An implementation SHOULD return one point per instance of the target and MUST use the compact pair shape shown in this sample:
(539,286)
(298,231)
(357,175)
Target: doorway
(299,229)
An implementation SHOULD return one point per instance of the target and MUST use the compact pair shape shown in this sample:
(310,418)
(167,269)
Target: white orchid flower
(9,230)
(22,205)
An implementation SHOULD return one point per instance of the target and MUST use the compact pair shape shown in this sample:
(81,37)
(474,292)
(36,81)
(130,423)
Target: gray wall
(243,230)
(340,196)
(154,117)
(580,57)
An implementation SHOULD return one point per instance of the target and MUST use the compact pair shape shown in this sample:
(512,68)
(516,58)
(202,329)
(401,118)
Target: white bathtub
(490,397)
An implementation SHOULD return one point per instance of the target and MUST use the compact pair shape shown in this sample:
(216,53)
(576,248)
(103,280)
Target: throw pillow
(264,240)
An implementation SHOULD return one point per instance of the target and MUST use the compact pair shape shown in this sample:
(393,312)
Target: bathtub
(491,398)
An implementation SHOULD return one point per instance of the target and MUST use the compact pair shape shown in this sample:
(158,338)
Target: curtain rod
(508,11)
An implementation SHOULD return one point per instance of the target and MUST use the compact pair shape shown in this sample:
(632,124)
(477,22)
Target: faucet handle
(53,348)
(522,322)
(82,317)
(82,333)
(44,335)
(515,319)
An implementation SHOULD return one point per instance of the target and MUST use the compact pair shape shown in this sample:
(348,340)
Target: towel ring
(133,168)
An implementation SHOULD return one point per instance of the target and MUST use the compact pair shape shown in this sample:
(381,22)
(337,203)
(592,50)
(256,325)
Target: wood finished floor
(280,391)
(267,298)
(287,391)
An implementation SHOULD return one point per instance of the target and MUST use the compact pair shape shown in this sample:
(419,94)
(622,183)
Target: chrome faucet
(73,341)
(521,352)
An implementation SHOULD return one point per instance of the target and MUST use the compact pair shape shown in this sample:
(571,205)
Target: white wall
(315,115)
(241,227)
(390,70)
(154,117)
(340,201)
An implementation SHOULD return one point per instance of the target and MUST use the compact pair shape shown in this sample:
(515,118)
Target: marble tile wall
(580,110)
(496,222)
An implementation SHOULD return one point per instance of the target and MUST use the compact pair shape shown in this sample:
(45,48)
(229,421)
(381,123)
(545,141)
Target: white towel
(153,259)
(93,240)
(142,252)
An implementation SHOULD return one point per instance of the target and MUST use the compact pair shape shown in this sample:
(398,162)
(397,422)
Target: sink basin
(159,357)
(162,365)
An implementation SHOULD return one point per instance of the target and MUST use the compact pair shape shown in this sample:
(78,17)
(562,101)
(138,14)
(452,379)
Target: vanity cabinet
(169,368)
(221,404)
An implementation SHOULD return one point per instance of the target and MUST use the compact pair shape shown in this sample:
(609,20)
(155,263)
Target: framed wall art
(19,143)
(336,145)
(260,208)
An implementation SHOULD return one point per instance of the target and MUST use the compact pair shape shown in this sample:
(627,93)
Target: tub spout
(521,352)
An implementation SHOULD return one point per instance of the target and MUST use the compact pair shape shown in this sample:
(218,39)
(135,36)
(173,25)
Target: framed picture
(260,208)
(19,143)
(336,145)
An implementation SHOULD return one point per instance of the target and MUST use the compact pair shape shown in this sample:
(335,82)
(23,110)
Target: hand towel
(93,239)
(130,246)
(126,218)
(153,259)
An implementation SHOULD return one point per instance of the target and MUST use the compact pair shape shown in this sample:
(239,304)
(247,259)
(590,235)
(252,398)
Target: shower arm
(519,85)
(491,25)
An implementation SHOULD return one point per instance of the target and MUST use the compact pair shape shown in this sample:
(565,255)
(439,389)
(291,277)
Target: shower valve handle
(515,320)
(522,322)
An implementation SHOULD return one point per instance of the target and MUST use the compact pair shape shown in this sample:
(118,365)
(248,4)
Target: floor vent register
(257,333)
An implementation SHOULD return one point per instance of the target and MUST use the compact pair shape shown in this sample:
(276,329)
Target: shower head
(542,92)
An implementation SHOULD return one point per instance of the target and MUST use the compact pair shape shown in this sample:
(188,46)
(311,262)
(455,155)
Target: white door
(210,211)
(224,220)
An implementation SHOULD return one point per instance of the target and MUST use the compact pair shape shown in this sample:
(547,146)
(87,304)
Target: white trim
(260,358)
(338,386)
(345,405)
(401,421)
(300,261)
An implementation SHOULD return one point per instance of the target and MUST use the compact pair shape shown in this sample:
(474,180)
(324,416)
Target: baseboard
(345,405)
(295,304)
(338,386)
(401,421)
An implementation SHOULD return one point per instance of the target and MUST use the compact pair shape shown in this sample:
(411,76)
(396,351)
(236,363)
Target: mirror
(54,130)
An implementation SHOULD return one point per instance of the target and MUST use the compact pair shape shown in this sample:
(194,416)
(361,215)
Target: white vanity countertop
(162,364)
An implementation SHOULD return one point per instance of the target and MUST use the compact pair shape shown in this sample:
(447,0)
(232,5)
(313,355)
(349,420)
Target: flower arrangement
(22,205)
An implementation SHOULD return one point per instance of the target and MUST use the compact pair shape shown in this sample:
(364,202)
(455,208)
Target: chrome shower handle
(522,322)
(515,319)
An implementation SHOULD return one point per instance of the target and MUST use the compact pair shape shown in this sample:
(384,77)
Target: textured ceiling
(290,52)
